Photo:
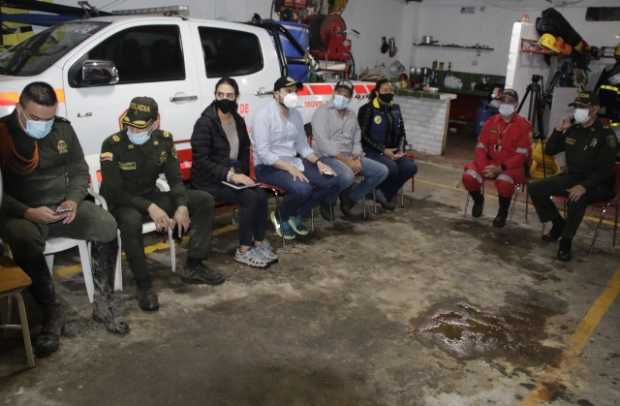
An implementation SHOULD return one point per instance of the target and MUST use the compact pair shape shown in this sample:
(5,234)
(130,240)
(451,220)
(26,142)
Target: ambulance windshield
(37,53)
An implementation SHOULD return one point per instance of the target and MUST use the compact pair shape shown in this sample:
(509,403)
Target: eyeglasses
(222,95)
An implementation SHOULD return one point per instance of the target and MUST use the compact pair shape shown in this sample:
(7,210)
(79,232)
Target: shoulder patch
(116,138)
(106,156)
(166,134)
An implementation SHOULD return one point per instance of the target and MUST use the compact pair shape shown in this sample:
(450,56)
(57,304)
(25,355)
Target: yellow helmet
(549,41)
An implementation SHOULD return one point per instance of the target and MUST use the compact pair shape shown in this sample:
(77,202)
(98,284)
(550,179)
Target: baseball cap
(286,81)
(344,84)
(509,93)
(141,112)
(586,99)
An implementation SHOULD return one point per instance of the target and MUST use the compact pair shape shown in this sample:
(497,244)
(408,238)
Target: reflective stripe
(523,151)
(481,145)
(474,175)
(505,178)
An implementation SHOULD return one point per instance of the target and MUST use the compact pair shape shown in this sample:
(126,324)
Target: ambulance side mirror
(99,72)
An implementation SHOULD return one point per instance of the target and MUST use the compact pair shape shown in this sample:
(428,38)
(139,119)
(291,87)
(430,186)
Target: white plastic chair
(55,245)
(94,169)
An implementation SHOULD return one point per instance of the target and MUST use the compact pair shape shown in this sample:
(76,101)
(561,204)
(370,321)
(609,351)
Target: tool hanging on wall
(393,49)
(384,45)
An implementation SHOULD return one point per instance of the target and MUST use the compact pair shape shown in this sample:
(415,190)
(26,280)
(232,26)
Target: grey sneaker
(107,310)
(265,249)
(251,257)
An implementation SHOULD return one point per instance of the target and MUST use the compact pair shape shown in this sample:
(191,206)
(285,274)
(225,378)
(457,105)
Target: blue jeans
(400,171)
(300,197)
(373,172)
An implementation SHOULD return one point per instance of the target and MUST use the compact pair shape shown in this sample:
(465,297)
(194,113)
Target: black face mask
(226,106)
(386,97)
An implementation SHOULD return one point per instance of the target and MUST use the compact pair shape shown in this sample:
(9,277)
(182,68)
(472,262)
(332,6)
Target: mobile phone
(62,210)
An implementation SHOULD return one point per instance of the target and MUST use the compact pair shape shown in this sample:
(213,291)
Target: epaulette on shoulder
(114,138)
(59,119)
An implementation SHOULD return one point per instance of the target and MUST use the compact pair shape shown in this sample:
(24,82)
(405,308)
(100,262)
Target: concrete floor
(344,319)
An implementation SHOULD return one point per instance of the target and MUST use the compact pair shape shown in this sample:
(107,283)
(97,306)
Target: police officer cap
(586,99)
(286,81)
(141,112)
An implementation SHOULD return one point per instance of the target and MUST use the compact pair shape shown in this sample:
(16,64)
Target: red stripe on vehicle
(304,91)
(361,89)
(322,90)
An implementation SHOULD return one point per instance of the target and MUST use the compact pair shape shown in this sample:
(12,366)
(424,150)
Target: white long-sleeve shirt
(277,138)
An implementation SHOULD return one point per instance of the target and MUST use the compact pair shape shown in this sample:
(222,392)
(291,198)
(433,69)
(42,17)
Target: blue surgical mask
(39,129)
(139,138)
(506,109)
(582,115)
(341,102)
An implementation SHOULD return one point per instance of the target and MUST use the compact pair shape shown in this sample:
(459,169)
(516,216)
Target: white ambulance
(98,65)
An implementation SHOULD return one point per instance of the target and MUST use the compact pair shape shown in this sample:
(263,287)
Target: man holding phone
(131,162)
(45,183)
(278,138)
(589,177)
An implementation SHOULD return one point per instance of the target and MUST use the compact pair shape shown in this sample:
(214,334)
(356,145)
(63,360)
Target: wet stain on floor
(513,332)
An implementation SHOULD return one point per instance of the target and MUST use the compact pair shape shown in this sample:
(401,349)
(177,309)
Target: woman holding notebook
(221,166)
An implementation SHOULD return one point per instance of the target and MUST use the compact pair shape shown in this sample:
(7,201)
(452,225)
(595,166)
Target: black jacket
(211,150)
(382,126)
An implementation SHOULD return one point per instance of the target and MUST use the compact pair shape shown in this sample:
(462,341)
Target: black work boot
(327,211)
(556,230)
(48,341)
(347,205)
(107,306)
(478,207)
(147,299)
(502,213)
(194,272)
(564,249)
(384,202)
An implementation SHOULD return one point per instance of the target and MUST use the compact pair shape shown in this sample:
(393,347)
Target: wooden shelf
(454,46)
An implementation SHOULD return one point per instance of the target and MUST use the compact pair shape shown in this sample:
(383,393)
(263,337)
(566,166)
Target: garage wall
(492,26)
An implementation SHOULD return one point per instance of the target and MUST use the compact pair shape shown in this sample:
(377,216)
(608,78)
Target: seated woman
(384,140)
(221,152)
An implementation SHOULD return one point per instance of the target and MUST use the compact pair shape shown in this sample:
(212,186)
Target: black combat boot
(48,341)
(327,211)
(147,298)
(556,230)
(107,306)
(478,207)
(195,272)
(564,249)
(502,213)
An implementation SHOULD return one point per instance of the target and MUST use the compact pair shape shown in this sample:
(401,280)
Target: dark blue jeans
(300,197)
(400,171)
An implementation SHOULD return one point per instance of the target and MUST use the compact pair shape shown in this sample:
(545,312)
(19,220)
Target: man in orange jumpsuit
(502,152)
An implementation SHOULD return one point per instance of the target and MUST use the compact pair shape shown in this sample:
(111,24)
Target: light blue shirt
(277,138)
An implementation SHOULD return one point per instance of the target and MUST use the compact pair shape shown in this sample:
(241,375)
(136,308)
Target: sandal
(251,257)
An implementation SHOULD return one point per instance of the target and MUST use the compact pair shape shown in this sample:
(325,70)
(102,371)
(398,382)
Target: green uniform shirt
(590,153)
(130,171)
(61,174)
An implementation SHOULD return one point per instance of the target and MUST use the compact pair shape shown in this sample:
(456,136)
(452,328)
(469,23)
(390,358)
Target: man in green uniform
(589,176)
(131,162)
(45,183)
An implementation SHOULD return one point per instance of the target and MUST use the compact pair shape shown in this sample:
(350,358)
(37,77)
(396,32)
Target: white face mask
(341,102)
(582,115)
(506,109)
(138,137)
(290,100)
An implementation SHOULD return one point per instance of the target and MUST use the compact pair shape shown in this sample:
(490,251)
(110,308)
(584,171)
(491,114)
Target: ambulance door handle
(263,92)
(182,98)
(85,115)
